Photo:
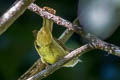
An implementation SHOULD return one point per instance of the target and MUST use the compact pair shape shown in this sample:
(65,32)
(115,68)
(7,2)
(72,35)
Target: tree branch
(65,36)
(13,13)
(58,20)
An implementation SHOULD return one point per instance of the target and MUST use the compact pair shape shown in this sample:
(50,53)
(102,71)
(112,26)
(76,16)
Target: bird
(99,17)
(50,49)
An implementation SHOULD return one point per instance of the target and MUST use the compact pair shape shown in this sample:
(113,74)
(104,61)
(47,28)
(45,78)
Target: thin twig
(58,20)
(110,48)
(65,36)
(13,13)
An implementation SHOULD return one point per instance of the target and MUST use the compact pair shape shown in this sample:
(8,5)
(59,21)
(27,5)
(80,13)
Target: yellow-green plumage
(48,48)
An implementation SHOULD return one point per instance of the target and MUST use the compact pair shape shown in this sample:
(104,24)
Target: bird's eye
(37,46)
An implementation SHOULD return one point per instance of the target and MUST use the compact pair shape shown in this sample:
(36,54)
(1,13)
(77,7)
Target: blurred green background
(17,52)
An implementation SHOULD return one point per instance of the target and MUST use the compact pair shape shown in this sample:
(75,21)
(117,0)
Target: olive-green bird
(49,49)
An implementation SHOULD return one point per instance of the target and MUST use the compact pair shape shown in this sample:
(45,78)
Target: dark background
(17,52)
